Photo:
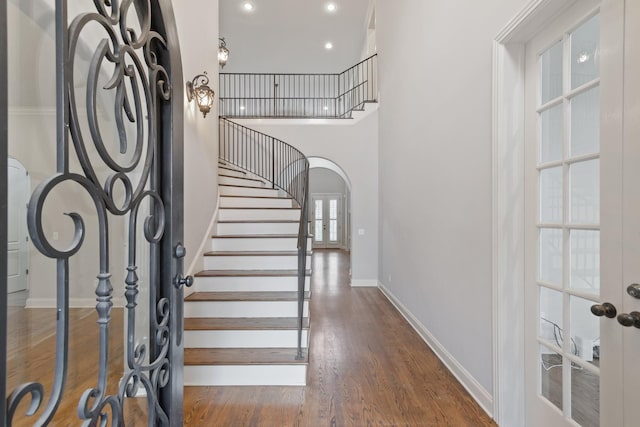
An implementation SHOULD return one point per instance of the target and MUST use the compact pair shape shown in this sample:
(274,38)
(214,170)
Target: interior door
(17,239)
(577,185)
(95,110)
(327,220)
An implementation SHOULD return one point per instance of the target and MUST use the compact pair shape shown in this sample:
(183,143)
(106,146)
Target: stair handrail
(287,169)
(299,95)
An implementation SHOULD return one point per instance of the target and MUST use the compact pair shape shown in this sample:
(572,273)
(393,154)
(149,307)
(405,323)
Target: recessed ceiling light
(328,45)
(248,6)
(242,107)
(331,7)
(326,108)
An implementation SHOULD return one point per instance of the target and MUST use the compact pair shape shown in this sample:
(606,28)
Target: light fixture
(248,6)
(223,52)
(199,90)
(328,45)
(331,7)
(583,57)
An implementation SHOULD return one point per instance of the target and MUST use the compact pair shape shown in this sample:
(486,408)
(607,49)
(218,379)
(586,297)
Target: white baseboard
(73,302)
(197,262)
(364,283)
(475,389)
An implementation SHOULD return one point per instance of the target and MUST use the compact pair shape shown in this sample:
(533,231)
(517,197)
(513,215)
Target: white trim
(365,283)
(508,207)
(118,302)
(475,389)
(206,240)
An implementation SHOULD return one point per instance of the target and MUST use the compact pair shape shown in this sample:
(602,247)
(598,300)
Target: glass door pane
(568,224)
(318,220)
(333,220)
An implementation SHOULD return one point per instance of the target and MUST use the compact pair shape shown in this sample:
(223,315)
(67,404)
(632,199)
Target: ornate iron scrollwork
(138,83)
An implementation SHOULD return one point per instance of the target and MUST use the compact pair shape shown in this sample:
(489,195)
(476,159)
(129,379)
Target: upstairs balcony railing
(299,95)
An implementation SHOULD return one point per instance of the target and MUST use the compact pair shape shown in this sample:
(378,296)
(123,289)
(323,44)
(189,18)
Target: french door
(327,220)
(94,112)
(582,220)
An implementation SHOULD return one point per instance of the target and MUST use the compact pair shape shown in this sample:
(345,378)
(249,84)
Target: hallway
(367,367)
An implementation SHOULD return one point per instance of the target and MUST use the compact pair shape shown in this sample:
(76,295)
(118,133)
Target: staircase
(247,323)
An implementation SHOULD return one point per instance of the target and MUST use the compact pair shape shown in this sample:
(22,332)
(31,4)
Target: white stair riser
(245,191)
(244,339)
(226,214)
(245,375)
(243,308)
(228,180)
(248,228)
(279,262)
(256,244)
(254,202)
(248,284)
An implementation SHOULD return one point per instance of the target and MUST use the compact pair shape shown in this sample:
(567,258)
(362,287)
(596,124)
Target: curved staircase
(242,323)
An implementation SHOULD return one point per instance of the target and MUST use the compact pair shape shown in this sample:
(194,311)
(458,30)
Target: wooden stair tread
(243,324)
(246,296)
(253,253)
(261,208)
(244,356)
(250,273)
(241,177)
(260,221)
(256,236)
(256,197)
(247,186)
(231,169)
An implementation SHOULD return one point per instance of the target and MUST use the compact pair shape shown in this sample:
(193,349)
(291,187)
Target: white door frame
(508,186)
(20,204)
(326,243)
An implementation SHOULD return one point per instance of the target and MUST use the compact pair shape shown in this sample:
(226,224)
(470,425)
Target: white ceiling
(288,36)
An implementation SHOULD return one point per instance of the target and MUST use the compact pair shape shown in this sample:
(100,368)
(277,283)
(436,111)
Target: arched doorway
(330,207)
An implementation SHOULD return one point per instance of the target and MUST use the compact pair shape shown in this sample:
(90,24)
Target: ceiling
(289,36)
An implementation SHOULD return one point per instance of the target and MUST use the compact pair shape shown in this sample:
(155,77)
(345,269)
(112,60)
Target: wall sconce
(199,90)
(223,53)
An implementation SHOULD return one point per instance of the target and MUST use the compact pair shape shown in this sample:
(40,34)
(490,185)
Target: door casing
(508,185)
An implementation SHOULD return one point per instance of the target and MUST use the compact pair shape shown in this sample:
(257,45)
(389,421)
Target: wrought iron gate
(135,63)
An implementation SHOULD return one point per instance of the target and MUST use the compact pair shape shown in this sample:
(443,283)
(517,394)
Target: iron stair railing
(251,95)
(287,169)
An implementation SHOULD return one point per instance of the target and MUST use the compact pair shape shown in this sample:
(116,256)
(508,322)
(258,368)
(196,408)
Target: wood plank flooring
(367,367)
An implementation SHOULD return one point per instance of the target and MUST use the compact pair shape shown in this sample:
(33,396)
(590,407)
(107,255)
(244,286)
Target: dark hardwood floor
(367,367)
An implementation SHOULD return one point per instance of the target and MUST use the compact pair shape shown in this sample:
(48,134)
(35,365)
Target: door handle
(605,309)
(631,319)
(634,290)
(181,280)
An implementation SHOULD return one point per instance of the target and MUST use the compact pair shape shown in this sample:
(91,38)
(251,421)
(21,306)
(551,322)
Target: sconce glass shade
(223,53)
(199,90)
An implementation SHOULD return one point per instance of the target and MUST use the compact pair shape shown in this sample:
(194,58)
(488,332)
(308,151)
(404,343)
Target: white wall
(323,180)
(197,22)
(435,64)
(352,145)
